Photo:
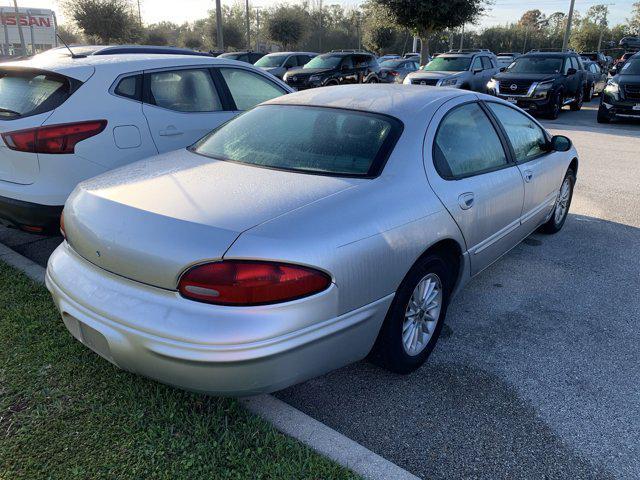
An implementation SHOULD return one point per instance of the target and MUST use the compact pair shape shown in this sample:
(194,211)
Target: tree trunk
(424,48)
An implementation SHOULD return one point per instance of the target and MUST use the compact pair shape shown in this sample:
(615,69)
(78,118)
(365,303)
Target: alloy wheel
(562,204)
(422,314)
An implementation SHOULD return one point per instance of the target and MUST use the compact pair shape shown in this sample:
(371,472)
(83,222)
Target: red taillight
(239,282)
(53,139)
(394,73)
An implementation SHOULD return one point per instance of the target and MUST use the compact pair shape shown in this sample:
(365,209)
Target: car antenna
(73,55)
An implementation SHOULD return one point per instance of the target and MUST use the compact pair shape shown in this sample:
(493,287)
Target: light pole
(246,10)
(258,28)
(567,32)
(462,37)
(219,37)
(22,44)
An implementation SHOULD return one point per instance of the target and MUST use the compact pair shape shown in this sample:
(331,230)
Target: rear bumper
(205,348)
(30,216)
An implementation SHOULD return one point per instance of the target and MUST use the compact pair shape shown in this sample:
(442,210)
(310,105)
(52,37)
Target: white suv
(67,118)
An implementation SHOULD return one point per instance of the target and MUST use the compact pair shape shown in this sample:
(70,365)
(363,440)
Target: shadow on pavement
(536,376)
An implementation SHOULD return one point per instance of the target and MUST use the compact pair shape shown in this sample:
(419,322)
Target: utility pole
(258,28)
(219,37)
(246,11)
(22,44)
(139,13)
(567,32)
(320,24)
(603,25)
(462,37)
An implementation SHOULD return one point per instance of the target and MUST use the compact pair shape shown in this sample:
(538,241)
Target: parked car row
(621,95)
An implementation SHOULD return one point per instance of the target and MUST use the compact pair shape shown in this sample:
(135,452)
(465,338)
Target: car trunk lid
(151,220)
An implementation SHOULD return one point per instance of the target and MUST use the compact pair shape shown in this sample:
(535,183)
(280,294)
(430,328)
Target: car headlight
(449,82)
(492,84)
(612,88)
(314,78)
(542,89)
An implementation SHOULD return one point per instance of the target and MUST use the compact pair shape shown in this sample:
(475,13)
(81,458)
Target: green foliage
(67,414)
(287,25)
(425,17)
(105,20)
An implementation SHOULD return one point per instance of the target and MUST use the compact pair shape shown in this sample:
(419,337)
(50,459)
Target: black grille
(632,91)
(300,81)
(424,81)
(521,87)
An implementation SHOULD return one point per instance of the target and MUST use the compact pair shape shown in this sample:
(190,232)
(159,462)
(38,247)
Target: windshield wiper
(7,110)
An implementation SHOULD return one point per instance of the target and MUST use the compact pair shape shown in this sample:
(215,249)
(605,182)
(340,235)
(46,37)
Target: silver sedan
(308,233)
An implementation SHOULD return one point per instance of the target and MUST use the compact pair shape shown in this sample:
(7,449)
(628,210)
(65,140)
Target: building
(38,30)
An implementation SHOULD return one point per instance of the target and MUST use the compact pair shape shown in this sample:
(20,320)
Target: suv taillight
(244,283)
(53,139)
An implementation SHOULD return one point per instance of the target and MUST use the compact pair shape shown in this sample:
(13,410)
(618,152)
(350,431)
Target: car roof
(550,54)
(290,53)
(400,101)
(82,68)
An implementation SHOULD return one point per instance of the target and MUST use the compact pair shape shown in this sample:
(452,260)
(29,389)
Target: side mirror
(502,69)
(571,71)
(476,70)
(560,143)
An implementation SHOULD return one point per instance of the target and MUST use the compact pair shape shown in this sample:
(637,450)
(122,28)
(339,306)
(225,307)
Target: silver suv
(470,70)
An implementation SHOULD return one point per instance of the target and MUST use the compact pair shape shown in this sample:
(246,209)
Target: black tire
(331,83)
(554,224)
(373,80)
(388,350)
(589,93)
(603,115)
(555,107)
(576,105)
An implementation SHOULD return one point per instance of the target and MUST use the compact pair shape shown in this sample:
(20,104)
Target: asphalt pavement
(537,372)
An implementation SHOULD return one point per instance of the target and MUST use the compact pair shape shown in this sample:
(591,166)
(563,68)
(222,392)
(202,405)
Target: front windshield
(632,67)
(448,64)
(536,65)
(324,61)
(304,139)
(271,61)
(392,63)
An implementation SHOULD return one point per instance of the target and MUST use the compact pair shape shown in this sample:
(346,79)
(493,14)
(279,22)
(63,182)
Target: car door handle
(528,175)
(170,131)
(466,200)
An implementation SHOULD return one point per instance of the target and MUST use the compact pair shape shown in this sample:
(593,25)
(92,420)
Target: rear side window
(248,89)
(184,91)
(24,93)
(466,144)
(306,139)
(130,87)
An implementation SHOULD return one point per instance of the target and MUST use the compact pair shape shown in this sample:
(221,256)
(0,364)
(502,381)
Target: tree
(531,18)
(634,20)
(106,20)
(425,17)
(69,34)
(380,33)
(285,25)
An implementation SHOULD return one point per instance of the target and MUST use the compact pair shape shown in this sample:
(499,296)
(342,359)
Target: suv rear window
(305,139)
(27,92)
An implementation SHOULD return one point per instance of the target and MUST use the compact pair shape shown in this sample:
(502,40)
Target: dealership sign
(38,28)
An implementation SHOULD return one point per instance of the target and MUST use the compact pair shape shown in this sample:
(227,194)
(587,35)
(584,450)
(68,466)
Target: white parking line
(285,418)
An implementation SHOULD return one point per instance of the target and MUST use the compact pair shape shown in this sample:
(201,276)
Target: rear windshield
(318,140)
(549,65)
(24,93)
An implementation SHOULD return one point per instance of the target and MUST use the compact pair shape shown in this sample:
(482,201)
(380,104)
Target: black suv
(542,82)
(247,57)
(335,68)
(621,96)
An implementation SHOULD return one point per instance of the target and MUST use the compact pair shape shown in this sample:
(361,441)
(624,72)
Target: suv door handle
(528,175)
(466,200)
(170,131)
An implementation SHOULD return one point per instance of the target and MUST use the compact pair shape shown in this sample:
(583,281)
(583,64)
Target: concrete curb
(324,439)
(281,415)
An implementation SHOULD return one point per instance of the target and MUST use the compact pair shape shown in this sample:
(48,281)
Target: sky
(500,13)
